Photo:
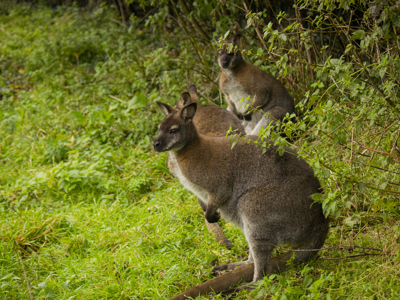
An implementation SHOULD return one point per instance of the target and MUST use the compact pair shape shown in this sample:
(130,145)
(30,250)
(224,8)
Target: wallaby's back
(212,120)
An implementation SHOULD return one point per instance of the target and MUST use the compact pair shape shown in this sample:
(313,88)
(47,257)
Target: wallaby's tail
(220,283)
(245,273)
(227,280)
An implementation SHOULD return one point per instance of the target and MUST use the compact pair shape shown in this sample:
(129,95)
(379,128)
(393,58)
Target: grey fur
(266,195)
(267,97)
(212,121)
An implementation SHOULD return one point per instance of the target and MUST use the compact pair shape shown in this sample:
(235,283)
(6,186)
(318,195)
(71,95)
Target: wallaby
(240,80)
(212,121)
(266,195)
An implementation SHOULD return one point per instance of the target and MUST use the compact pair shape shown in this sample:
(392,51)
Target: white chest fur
(194,188)
(236,92)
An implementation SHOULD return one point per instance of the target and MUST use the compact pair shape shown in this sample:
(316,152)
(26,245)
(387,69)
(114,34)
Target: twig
(329,248)
(257,31)
(377,151)
(379,168)
(151,10)
(182,24)
(119,22)
(117,99)
(349,256)
(26,277)
(194,21)
(121,8)
(298,15)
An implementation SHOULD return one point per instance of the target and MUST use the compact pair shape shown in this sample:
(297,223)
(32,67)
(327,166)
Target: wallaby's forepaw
(212,218)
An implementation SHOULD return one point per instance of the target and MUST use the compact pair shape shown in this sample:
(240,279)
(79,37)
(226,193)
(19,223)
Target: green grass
(89,211)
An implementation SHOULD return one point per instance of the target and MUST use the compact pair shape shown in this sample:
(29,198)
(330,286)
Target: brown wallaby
(267,98)
(266,194)
(212,121)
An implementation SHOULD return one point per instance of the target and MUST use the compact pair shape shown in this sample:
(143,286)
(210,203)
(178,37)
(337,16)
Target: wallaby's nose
(156,145)
(224,64)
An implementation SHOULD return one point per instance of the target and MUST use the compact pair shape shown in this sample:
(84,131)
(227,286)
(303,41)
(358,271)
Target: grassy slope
(87,210)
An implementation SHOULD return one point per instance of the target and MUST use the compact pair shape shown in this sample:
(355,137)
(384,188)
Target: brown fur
(211,121)
(267,195)
(240,79)
(225,282)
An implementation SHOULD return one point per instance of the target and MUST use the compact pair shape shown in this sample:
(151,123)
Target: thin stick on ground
(25,276)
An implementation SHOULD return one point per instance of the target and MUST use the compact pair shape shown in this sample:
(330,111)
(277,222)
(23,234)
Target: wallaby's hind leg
(214,229)
(260,251)
(275,113)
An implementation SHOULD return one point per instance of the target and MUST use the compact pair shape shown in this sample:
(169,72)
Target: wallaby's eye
(173,131)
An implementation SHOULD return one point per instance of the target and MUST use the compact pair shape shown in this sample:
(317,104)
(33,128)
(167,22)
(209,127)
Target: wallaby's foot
(216,271)
(214,218)
(228,267)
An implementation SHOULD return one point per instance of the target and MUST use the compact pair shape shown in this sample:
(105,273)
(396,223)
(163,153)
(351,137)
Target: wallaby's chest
(237,93)
(173,165)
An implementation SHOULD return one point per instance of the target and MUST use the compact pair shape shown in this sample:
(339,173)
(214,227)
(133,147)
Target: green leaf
(138,101)
(234,143)
(79,117)
(358,35)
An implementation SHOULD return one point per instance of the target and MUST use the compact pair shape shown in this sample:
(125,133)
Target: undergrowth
(89,211)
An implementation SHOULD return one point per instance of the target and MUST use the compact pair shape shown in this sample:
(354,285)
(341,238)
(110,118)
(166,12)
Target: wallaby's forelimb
(224,282)
(219,236)
(214,229)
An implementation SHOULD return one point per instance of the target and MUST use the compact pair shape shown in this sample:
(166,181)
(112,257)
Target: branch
(349,256)
(377,151)
(26,277)
(195,23)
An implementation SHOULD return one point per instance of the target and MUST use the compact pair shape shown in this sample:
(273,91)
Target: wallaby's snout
(224,61)
(227,60)
(157,146)
(230,59)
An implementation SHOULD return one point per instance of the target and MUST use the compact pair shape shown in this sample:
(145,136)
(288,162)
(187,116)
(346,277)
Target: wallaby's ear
(236,40)
(165,108)
(185,98)
(192,89)
(187,112)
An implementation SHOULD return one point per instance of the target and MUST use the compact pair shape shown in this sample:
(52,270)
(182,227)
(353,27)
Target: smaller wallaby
(212,121)
(265,194)
(268,98)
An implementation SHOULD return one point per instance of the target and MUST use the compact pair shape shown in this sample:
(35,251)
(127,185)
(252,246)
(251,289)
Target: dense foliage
(87,210)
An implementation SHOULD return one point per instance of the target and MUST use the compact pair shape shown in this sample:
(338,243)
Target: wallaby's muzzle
(225,63)
(157,145)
